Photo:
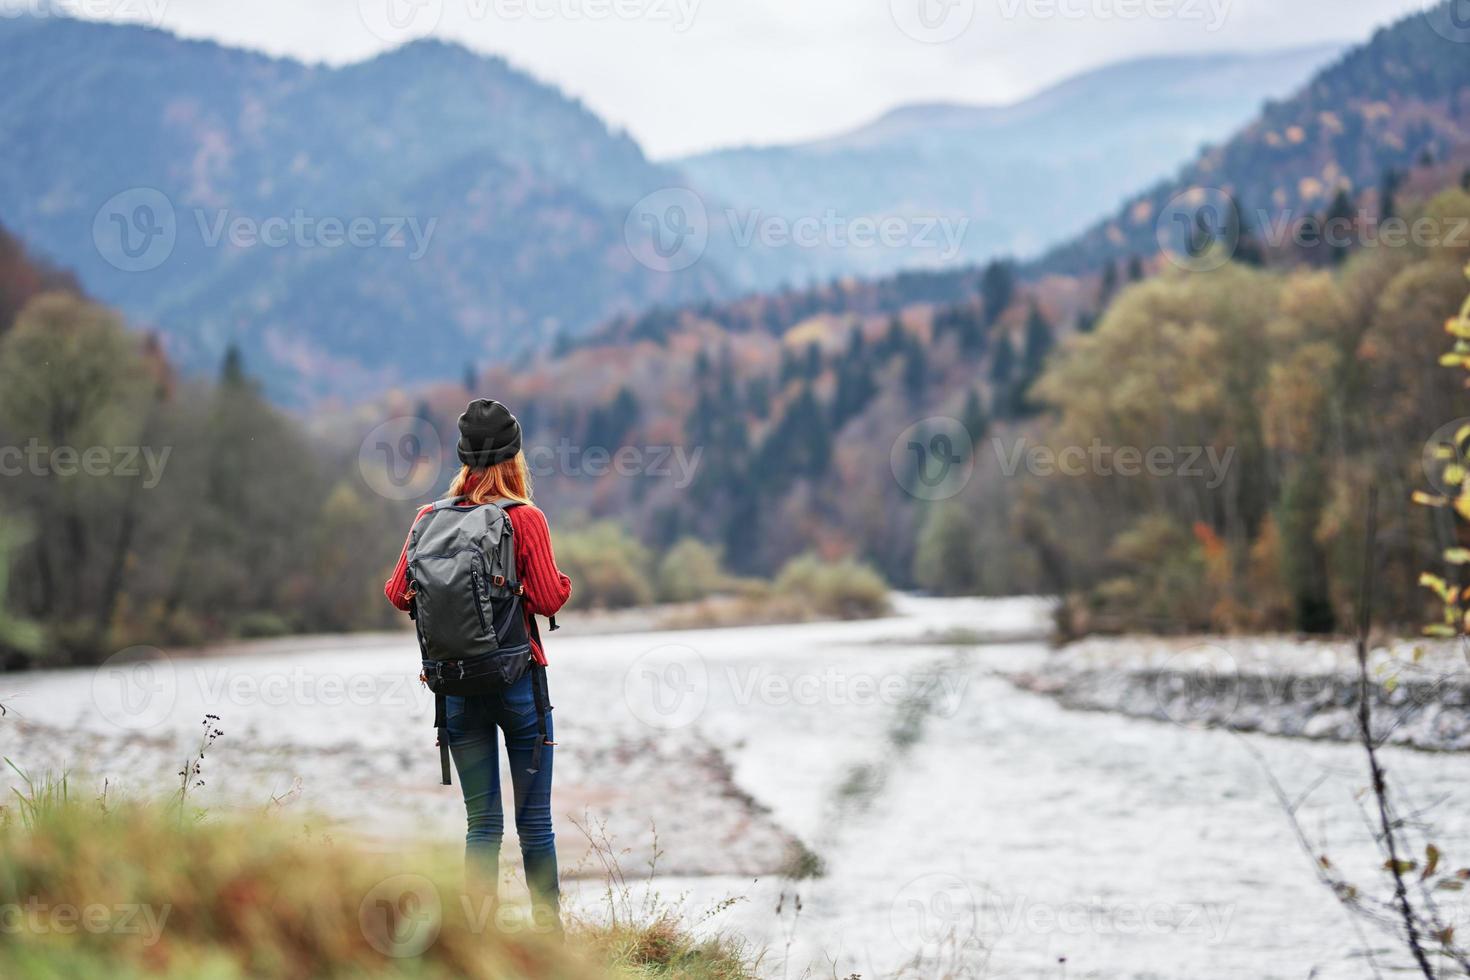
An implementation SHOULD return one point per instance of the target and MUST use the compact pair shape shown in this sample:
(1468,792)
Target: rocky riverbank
(1275,685)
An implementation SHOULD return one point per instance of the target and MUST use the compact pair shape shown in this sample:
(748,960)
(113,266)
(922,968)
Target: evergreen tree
(812,368)
(971,329)
(758,397)
(915,371)
(1003,362)
(232,368)
(1109,284)
(471,378)
(997,287)
(789,368)
(725,386)
(855,388)
(973,417)
(1135,268)
(1038,343)
(895,340)
(1002,370)
(1388,188)
(1338,225)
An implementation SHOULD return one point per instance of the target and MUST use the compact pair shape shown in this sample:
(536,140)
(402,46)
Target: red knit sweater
(547,589)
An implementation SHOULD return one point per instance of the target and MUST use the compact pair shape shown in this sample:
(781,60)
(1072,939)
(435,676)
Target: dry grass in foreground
(125,889)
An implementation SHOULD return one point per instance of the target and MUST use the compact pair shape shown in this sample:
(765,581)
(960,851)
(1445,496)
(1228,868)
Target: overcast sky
(688,75)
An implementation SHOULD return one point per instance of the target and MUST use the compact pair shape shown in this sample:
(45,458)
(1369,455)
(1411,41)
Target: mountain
(387,221)
(806,402)
(1398,102)
(1019,177)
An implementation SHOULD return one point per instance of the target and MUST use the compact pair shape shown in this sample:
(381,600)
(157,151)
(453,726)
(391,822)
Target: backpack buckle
(499,581)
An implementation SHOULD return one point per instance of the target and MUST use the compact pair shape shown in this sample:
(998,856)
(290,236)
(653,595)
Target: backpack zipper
(476,590)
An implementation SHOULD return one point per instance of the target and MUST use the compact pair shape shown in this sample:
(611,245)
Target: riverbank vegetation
(1314,384)
(1189,454)
(114,889)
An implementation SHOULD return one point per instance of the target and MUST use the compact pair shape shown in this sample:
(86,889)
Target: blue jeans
(472,723)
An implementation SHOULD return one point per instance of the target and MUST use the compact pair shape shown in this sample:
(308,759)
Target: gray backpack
(466,607)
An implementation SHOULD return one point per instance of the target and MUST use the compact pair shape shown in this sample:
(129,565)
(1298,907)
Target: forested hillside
(1397,102)
(1270,388)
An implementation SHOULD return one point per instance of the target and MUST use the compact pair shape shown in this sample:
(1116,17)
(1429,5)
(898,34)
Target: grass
(121,889)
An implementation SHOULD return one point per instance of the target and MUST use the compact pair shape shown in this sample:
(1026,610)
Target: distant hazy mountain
(1024,176)
(489,208)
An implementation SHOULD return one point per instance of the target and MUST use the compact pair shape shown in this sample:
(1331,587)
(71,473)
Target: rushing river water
(961,827)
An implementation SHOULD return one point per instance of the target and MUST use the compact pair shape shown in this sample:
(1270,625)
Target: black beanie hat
(488,434)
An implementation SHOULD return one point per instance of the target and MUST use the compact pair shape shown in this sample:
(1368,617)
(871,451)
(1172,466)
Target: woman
(494,469)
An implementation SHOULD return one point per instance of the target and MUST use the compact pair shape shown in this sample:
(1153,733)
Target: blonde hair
(510,479)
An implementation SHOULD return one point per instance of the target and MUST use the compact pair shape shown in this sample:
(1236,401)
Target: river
(961,827)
